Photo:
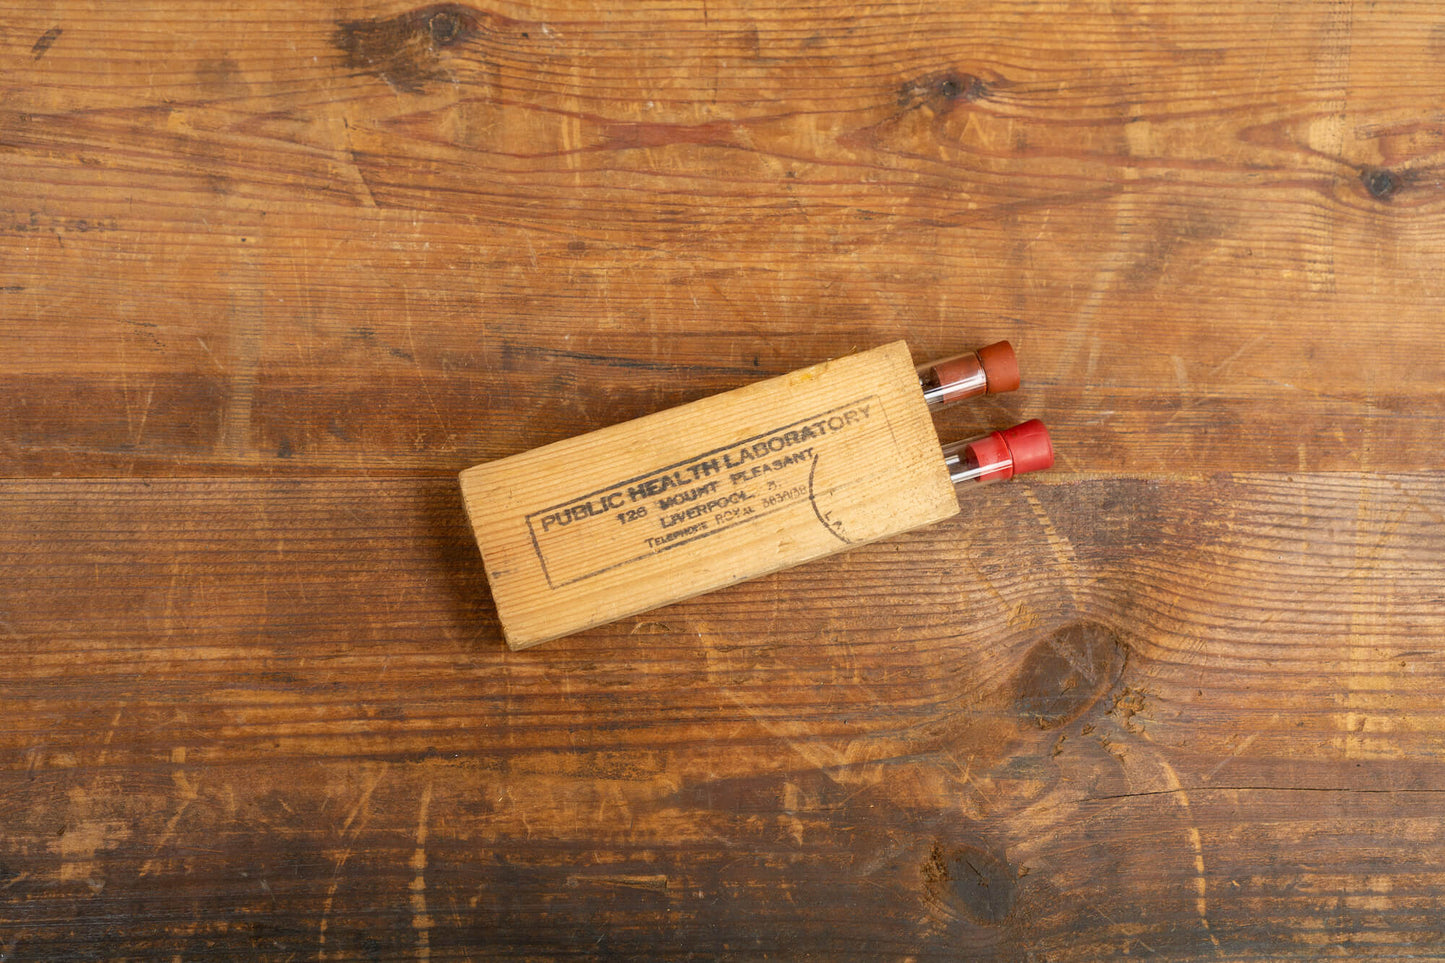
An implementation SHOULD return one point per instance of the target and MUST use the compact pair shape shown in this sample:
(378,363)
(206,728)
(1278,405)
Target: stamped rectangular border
(537,547)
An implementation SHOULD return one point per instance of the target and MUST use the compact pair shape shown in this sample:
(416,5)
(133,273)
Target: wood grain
(342,244)
(1164,715)
(272,273)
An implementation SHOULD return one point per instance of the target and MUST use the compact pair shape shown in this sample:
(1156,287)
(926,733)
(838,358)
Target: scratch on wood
(1059,544)
(451,438)
(657,882)
(1244,744)
(421,920)
(1365,731)
(1333,70)
(189,791)
(109,735)
(361,802)
(820,757)
(247,332)
(1201,884)
(360,809)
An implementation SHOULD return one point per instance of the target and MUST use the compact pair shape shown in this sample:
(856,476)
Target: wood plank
(274,717)
(301,238)
(293,265)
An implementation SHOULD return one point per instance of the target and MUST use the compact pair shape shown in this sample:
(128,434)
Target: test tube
(989,370)
(1000,455)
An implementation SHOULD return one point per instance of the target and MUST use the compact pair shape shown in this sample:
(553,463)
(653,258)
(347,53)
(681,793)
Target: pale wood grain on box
(684,501)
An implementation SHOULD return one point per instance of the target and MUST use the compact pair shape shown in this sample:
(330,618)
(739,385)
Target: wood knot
(445,26)
(1380,182)
(962,87)
(404,50)
(972,882)
(1066,673)
(941,91)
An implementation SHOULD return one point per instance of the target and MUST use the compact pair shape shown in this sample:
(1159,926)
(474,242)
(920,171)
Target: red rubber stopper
(1000,366)
(1030,445)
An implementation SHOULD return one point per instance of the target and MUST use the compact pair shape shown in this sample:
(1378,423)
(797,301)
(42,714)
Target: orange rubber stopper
(1000,366)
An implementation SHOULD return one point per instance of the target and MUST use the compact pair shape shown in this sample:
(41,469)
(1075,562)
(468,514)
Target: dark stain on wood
(1179,244)
(220,77)
(407,50)
(1129,517)
(47,39)
(632,136)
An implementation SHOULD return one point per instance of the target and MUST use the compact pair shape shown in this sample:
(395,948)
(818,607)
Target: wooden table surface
(271,273)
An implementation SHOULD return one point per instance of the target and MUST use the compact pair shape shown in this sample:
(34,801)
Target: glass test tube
(989,370)
(999,455)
